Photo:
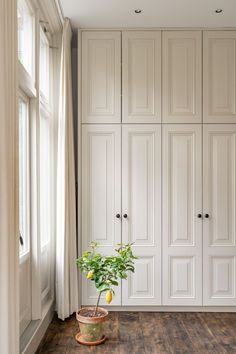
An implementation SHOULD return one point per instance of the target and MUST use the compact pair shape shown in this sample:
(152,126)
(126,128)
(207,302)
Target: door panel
(101,77)
(101,195)
(182,58)
(219,88)
(182,202)
(141,201)
(141,77)
(219,203)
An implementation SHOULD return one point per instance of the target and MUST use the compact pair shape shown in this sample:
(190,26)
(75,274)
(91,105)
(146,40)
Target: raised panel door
(219,77)
(101,77)
(182,72)
(182,206)
(141,201)
(219,196)
(141,77)
(101,196)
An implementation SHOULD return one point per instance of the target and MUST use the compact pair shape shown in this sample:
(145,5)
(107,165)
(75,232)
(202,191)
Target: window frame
(27,80)
(25,254)
(29,86)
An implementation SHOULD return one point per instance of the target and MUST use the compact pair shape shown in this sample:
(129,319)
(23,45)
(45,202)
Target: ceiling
(155,13)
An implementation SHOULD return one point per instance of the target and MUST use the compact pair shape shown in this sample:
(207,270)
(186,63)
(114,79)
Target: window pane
(25,36)
(45,179)
(44,65)
(23,177)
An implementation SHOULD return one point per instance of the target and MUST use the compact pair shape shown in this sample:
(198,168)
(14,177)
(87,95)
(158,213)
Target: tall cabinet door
(101,195)
(182,73)
(219,206)
(182,221)
(141,211)
(101,77)
(141,77)
(219,76)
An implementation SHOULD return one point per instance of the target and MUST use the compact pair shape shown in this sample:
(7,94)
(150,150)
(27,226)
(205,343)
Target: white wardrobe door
(182,76)
(101,77)
(182,202)
(141,201)
(219,76)
(219,198)
(101,195)
(141,77)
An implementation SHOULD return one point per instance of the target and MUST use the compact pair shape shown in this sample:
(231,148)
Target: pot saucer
(80,340)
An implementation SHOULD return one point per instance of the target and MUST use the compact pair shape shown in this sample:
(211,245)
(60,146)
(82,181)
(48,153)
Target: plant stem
(98,299)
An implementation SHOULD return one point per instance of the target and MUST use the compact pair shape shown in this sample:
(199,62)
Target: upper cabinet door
(182,209)
(219,64)
(141,77)
(219,205)
(182,72)
(101,77)
(101,195)
(141,211)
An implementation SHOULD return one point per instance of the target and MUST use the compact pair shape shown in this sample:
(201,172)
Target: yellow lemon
(108,296)
(90,275)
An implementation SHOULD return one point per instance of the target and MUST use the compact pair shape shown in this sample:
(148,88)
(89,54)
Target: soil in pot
(91,327)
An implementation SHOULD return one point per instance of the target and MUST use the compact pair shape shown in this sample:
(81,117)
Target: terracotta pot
(91,328)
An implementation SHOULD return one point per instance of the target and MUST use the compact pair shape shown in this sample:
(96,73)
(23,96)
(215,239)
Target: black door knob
(125,216)
(207,216)
(117,216)
(199,215)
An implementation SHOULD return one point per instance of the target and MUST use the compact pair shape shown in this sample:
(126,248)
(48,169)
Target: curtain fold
(66,243)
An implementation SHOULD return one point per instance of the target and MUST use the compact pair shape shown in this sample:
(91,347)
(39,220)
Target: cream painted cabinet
(101,195)
(141,203)
(141,77)
(182,208)
(219,206)
(182,76)
(140,212)
(219,77)
(101,77)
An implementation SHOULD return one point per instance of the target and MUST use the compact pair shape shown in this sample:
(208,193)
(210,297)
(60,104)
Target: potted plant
(105,272)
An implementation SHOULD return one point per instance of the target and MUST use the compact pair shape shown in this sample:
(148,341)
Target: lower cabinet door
(182,219)
(219,206)
(141,211)
(101,197)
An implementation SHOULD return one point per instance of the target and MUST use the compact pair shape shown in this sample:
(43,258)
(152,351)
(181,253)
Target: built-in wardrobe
(158,113)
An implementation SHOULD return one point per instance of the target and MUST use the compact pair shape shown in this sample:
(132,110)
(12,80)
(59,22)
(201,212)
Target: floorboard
(149,333)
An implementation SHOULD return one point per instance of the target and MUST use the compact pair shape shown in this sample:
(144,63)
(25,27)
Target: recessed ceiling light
(138,11)
(218,11)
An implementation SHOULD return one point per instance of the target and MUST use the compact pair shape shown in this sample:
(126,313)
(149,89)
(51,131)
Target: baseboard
(171,308)
(33,335)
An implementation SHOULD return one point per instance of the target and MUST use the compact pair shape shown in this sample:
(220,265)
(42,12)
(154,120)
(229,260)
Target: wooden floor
(150,333)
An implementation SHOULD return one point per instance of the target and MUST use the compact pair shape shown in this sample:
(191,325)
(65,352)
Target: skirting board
(36,331)
(171,308)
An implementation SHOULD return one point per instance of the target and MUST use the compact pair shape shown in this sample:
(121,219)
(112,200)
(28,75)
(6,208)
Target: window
(45,118)
(23,174)
(35,165)
(25,36)
(44,65)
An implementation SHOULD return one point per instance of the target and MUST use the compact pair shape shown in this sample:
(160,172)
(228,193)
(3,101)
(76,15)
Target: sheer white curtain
(66,245)
(9,230)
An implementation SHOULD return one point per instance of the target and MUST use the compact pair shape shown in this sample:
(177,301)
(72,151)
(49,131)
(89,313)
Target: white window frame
(29,87)
(24,253)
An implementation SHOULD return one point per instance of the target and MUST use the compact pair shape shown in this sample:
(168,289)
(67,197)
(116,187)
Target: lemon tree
(106,271)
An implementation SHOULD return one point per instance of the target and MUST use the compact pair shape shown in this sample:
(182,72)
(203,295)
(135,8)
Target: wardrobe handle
(125,216)
(199,215)
(117,216)
(207,216)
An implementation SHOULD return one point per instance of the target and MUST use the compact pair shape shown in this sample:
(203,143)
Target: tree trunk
(98,299)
